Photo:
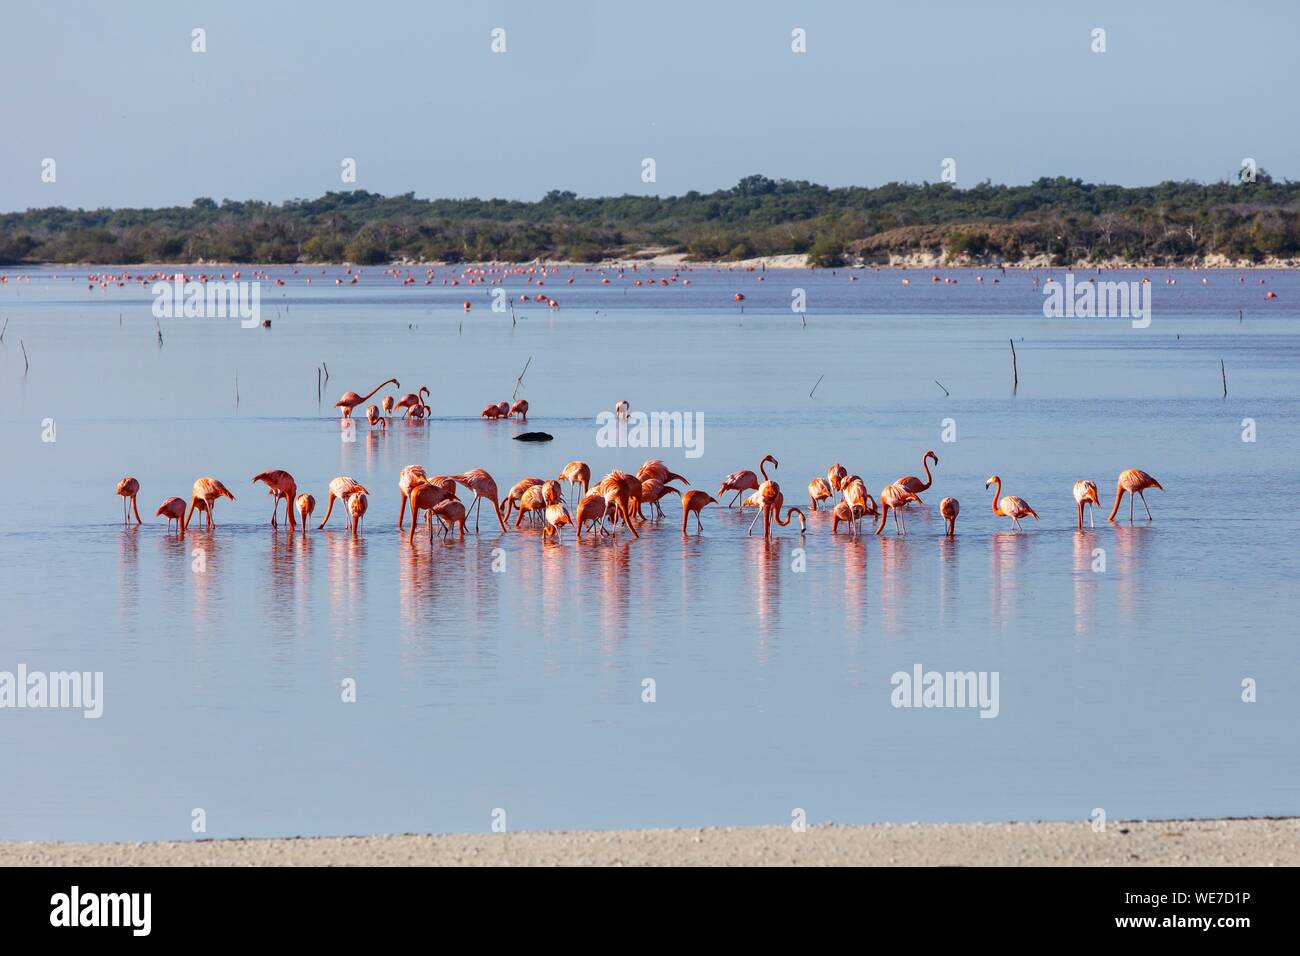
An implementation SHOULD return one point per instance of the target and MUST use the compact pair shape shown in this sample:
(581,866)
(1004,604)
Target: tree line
(1065,220)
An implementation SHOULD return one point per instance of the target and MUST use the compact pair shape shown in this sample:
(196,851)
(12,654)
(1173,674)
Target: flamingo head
(775,463)
(932,456)
(993,480)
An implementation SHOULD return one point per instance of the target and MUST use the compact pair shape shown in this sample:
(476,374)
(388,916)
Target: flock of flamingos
(618,498)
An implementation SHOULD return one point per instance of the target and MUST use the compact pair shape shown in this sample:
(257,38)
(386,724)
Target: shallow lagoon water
(523,690)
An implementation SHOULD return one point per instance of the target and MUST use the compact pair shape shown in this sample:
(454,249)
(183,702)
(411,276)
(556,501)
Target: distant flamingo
(950,508)
(894,498)
(128,488)
(1010,506)
(861,504)
(1085,492)
(207,490)
(491,411)
(279,484)
(739,481)
(914,484)
(818,490)
(485,489)
(408,478)
(306,504)
(351,400)
(622,409)
(1135,482)
(173,509)
(693,502)
(591,508)
(357,505)
(412,400)
(342,488)
(372,416)
(388,405)
(576,473)
(519,408)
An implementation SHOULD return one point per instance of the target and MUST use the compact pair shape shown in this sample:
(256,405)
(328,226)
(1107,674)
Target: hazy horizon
(135,119)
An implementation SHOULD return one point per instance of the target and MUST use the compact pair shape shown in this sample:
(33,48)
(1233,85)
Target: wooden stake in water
(4,330)
(940,384)
(1015,372)
(25,365)
(520,381)
(318,387)
(1224,372)
(818,382)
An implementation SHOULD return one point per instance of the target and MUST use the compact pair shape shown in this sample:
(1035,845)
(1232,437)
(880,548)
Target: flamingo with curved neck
(350,400)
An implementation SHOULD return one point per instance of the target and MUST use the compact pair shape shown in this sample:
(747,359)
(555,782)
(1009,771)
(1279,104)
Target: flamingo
(207,490)
(835,476)
(950,508)
(279,484)
(818,490)
(621,410)
(851,514)
(388,405)
(357,505)
(451,513)
(516,493)
(768,499)
(914,484)
(1135,482)
(306,504)
(652,491)
(372,416)
(342,488)
(591,508)
(1085,492)
(128,488)
(480,482)
(622,495)
(894,498)
(412,400)
(654,468)
(860,503)
(408,478)
(1009,506)
(491,411)
(557,516)
(173,509)
(739,481)
(519,408)
(576,473)
(351,400)
(532,500)
(425,495)
(693,502)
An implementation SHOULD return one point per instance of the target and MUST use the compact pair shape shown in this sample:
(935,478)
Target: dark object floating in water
(266,323)
(534,436)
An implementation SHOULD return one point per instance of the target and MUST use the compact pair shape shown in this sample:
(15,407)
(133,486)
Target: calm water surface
(522,690)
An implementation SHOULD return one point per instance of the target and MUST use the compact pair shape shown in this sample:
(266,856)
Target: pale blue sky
(711,91)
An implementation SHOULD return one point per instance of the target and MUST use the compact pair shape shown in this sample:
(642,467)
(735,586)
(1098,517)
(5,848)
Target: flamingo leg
(733,498)
(1130,508)
(757,514)
(1143,494)
(401,514)
(1092,517)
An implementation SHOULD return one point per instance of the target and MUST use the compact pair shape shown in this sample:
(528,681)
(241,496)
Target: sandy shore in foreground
(1260,842)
